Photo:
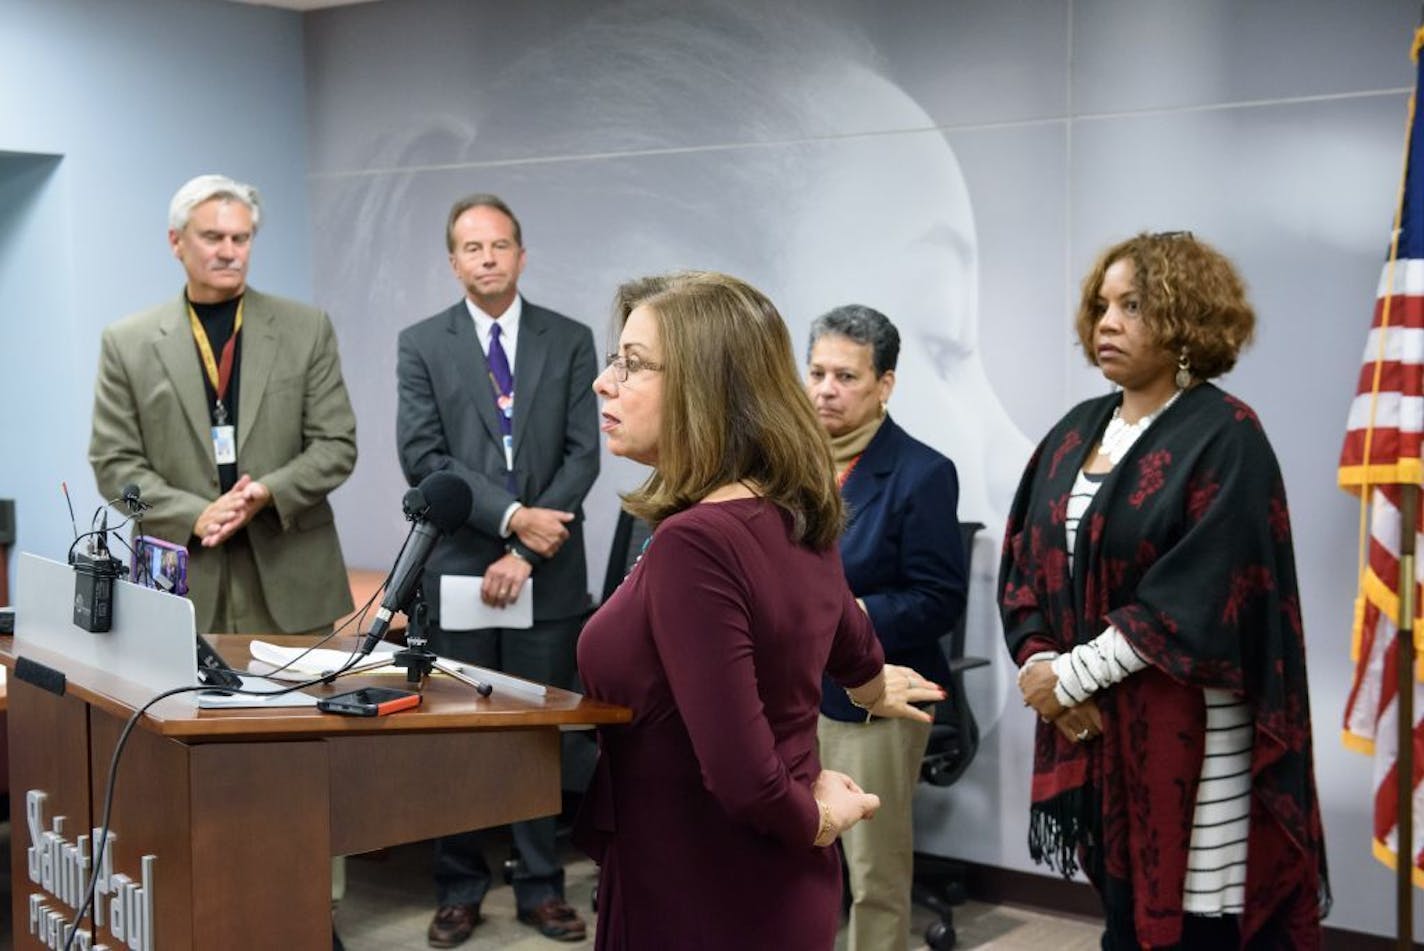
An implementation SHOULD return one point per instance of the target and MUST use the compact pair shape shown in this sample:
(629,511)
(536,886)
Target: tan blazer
(296,435)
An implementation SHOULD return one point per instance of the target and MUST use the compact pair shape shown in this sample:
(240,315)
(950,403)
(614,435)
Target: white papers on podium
(302,663)
(222,700)
(474,676)
(462,610)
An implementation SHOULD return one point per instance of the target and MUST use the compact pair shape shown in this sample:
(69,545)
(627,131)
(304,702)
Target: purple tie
(499,368)
(503,381)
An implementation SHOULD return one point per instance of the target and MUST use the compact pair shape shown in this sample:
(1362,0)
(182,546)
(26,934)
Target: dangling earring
(1183,378)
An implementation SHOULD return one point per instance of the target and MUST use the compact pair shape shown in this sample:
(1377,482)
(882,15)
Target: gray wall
(106,107)
(956,165)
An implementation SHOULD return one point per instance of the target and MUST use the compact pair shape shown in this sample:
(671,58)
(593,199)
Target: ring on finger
(1082,735)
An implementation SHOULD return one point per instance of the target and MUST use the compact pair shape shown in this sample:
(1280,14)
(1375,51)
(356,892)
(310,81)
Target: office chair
(954,739)
(629,537)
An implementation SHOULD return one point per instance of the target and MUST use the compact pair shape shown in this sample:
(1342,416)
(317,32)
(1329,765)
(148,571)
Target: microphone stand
(416,658)
(135,532)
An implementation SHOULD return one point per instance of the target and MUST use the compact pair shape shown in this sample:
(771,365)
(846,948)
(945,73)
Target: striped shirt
(1216,864)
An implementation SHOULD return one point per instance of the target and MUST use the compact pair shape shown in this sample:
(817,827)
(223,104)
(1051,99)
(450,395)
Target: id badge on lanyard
(505,402)
(219,373)
(225,445)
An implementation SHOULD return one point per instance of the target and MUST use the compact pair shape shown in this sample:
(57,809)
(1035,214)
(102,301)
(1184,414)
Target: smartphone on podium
(369,702)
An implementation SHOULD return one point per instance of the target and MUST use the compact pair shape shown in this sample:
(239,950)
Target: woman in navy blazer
(905,564)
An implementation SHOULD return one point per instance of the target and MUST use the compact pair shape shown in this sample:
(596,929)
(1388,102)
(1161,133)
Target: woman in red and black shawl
(1148,592)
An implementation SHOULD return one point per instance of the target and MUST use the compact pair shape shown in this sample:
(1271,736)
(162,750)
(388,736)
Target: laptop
(153,641)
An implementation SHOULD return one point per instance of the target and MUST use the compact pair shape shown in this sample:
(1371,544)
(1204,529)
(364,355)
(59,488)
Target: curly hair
(1192,298)
(734,407)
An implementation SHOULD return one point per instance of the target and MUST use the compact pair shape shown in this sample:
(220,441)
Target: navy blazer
(903,555)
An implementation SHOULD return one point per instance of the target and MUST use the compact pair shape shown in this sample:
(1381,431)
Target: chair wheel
(511,865)
(940,936)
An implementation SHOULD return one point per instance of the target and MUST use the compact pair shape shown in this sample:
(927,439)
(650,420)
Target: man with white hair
(226,407)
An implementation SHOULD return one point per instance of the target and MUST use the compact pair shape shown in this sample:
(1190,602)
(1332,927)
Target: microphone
(438,506)
(131,500)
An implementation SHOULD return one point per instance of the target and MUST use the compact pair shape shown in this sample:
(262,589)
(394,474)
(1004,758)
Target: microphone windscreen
(449,499)
(131,491)
(413,503)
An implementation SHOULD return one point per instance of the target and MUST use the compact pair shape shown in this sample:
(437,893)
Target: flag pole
(1404,678)
(1404,706)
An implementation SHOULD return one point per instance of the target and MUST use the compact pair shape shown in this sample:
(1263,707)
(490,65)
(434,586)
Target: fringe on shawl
(1062,833)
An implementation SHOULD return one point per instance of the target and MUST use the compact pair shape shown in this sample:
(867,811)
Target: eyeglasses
(624,367)
(1174,235)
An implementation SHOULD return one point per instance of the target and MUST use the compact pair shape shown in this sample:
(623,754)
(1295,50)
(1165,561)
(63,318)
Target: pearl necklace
(1120,435)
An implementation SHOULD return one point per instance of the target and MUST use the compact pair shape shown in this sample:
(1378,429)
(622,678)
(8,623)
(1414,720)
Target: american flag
(1381,454)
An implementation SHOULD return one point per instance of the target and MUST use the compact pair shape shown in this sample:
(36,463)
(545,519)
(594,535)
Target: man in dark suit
(499,392)
(227,408)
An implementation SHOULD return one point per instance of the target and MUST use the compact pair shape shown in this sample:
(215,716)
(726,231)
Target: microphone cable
(102,837)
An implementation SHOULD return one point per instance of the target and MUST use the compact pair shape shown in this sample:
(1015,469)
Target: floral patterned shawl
(1186,549)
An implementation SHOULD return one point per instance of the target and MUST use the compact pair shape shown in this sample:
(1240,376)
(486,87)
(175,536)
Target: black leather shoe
(453,925)
(555,919)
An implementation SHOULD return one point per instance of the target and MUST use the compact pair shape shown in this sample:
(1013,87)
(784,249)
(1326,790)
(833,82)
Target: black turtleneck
(217,320)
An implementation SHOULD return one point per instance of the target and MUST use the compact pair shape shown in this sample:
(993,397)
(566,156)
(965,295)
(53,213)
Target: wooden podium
(242,809)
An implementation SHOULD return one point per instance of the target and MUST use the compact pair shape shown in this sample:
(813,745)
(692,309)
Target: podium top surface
(447,704)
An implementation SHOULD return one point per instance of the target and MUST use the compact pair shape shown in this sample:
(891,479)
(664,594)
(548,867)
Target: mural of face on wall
(887,221)
(766,143)
(731,138)
(763,143)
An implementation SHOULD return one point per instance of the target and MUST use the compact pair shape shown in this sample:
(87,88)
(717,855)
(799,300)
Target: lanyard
(219,374)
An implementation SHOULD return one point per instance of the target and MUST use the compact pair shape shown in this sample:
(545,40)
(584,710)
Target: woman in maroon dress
(709,813)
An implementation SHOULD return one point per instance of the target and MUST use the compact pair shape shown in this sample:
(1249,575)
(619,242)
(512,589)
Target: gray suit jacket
(296,435)
(446,420)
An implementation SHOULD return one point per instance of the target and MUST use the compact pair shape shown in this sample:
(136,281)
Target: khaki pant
(883,756)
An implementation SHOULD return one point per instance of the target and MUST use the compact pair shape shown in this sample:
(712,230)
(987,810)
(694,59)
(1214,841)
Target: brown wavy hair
(1192,297)
(734,408)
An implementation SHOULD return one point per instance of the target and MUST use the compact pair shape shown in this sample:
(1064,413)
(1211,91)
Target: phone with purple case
(159,564)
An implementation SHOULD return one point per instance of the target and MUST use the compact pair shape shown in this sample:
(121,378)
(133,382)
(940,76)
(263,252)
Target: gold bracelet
(826,830)
(867,707)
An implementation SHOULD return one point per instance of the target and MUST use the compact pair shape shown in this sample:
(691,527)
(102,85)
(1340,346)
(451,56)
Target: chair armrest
(959,665)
